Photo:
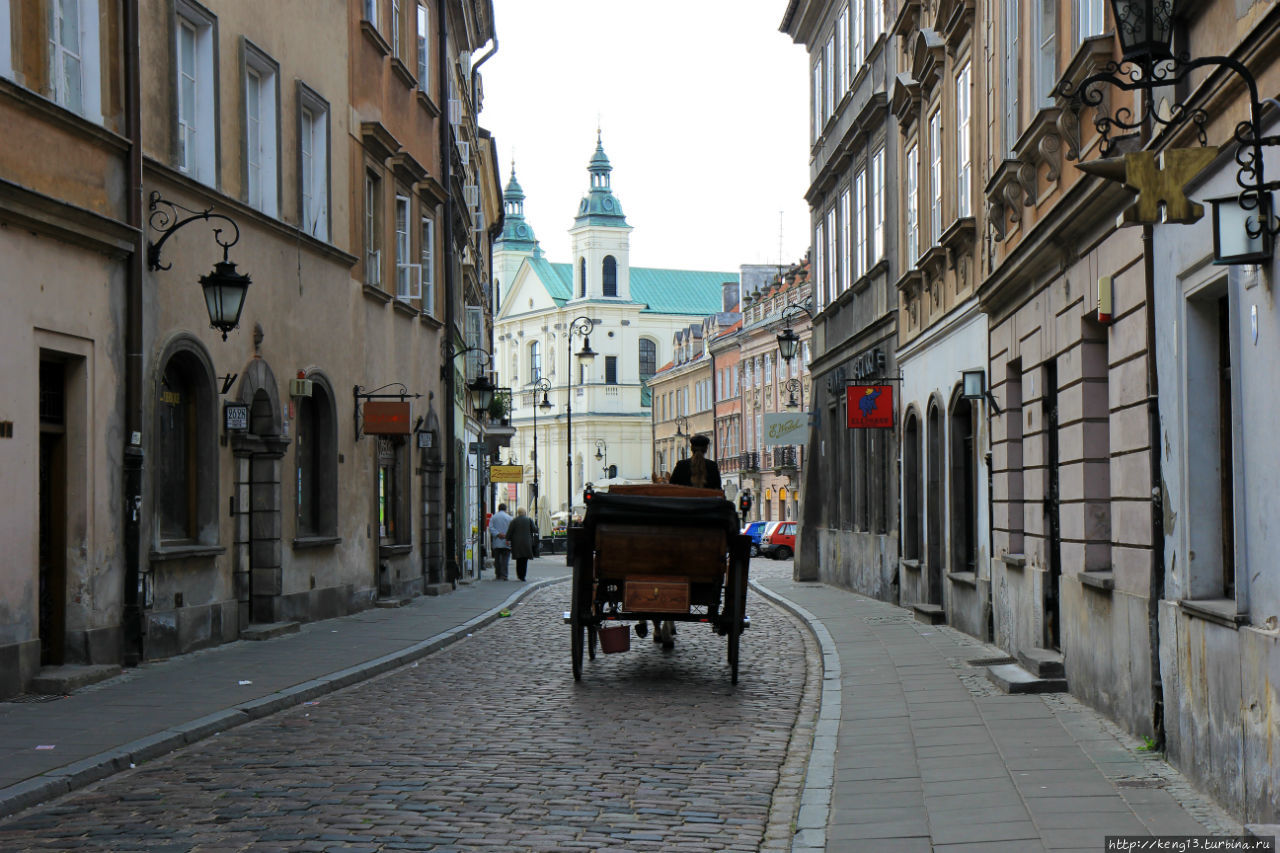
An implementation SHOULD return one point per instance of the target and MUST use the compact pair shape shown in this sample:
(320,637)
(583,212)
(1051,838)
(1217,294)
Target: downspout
(475,70)
(450,318)
(132,628)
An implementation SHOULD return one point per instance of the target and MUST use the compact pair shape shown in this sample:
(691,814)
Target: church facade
(581,421)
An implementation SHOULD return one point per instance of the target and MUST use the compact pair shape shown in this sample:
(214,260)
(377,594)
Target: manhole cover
(30,698)
(1139,783)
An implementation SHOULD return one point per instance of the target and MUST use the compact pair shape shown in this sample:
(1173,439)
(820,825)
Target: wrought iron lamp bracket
(163,218)
(1147,75)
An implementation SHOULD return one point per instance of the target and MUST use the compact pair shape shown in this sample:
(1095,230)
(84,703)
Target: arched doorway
(934,495)
(963,484)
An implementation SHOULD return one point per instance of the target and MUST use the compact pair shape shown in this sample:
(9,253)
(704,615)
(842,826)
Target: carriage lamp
(1145,29)
(481,391)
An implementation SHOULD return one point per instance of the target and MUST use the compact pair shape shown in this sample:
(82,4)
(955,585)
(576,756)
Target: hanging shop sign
(786,428)
(384,418)
(506,473)
(869,406)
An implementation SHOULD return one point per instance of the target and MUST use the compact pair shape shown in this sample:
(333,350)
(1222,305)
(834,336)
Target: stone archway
(259,570)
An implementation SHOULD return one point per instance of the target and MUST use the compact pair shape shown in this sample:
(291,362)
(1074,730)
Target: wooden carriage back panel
(698,554)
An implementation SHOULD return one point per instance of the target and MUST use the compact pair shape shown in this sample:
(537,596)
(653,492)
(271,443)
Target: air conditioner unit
(472,195)
(464,151)
(299,387)
(455,111)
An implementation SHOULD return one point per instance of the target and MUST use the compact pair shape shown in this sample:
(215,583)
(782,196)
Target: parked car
(779,540)
(754,529)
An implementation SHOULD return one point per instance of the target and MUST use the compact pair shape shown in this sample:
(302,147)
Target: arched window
(610,276)
(316,454)
(186,464)
(911,489)
(582,276)
(535,361)
(934,486)
(963,483)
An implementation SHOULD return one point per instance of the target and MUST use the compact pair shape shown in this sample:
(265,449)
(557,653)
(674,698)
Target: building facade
(633,315)
(258,489)
(852,540)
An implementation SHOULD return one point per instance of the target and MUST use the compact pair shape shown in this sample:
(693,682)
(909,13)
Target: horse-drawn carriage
(658,553)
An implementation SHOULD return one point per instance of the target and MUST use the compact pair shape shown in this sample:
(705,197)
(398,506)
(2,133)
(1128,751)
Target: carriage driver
(697,470)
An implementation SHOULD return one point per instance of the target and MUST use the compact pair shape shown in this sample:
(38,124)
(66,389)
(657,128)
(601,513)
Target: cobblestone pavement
(487,745)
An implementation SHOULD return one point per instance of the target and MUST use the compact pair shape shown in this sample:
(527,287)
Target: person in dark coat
(521,535)
(697,470)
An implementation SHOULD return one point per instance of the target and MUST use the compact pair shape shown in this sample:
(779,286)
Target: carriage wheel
(577,626)
(736,606)
(593,636)
(733,654)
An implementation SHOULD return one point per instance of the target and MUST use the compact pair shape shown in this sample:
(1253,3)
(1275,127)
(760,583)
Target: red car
(779,540)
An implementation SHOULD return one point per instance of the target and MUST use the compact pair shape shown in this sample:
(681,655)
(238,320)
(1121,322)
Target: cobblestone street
(487,745)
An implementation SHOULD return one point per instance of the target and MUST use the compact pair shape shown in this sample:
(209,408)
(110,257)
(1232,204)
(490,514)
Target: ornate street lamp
(481,392)
(1145,32)
(544,385)
(602,453)
(224,288)
(580,326)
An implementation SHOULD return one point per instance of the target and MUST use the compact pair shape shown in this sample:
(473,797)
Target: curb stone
(61,780)
(819,780)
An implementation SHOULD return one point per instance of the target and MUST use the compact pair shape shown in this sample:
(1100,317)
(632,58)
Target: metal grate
(31,698)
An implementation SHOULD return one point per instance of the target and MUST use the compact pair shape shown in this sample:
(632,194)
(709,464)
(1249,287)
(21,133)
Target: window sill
(402,71)
(913,565)
(965,578)
(394,550)
(1014,561)
(430,320)
(427,104)
(1101,581)
(185,552)
(376,293)
(404,307)
(1221,611)
(303,542)
(374,37)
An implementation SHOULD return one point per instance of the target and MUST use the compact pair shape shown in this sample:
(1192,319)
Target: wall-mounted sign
(384,418)
(786,428)
(869,406)
(235,416)
(506,473)
(424,439)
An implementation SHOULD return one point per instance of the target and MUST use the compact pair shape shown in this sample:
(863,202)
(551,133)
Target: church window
(535,361)
(582,276)
(648,366)
(611,370)
(610,276)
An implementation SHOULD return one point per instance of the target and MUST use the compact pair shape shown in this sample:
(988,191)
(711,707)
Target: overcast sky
(703,109)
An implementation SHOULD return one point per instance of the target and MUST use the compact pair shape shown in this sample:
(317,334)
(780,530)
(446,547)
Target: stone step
(387,603)
(437,589)
(1042,663)
(1012,678)
(60,680)
(269,630)
(930,614)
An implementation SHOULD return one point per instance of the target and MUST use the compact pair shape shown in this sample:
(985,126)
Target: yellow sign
(768,494)
(506,473)
(782,493)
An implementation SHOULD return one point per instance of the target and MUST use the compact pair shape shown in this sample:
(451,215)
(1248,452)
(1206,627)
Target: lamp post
(581,326)
(544,385)
(602,454)
(448,353)
(1145,31)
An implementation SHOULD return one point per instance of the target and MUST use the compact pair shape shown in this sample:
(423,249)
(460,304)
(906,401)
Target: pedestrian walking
(498,526)
(697,470)
(522,533)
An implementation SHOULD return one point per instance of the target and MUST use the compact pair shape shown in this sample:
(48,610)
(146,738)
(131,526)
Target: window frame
(1010,109)
(199,468)
(877,189)
(200,160)
(1090,19)
(609,276)
(846,239)
(317,418)
(1046,51)
(422,45)
(858,38)
(6,45)
(402,216)
(841,54)
(427,260)
(255,61)
(309,101)
(913,202)
(610,370)
(935,176)
(964,141)
(860,223)
(535,361)
(88,59)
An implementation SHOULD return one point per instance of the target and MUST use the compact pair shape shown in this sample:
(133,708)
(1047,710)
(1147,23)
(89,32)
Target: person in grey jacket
(522,534)
(498,541)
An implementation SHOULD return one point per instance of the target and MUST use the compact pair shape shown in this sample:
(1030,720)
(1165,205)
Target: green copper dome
(517,234)
(599,206)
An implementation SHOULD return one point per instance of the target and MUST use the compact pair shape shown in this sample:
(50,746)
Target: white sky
(703,106)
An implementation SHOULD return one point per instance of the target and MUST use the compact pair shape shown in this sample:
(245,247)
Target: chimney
(730,291)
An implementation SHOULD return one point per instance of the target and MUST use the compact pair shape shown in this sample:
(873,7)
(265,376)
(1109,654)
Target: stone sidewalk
(914,750)
(49,748)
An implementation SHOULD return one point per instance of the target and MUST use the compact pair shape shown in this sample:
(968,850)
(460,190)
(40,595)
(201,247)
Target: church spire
(599,206)
(517,235)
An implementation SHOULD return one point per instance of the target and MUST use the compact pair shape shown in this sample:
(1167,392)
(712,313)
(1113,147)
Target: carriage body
(662,553)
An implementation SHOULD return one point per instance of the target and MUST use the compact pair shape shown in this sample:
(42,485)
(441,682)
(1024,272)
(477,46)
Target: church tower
(517,241)
(601,238)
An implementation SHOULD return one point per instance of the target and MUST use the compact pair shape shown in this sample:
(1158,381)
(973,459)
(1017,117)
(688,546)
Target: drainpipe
(450,565)
(132,628)
(475,70)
